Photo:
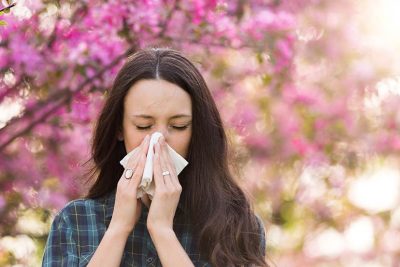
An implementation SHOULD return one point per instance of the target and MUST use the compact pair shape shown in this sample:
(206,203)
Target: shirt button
(149,260)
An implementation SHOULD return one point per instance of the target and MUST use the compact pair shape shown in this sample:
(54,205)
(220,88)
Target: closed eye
(179,128)
(143,128)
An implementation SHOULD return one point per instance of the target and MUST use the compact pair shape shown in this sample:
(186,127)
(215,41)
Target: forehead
(157,98)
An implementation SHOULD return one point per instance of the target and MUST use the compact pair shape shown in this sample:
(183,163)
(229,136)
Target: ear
(120,136)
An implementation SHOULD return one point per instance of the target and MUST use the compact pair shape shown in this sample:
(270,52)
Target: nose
(164,131)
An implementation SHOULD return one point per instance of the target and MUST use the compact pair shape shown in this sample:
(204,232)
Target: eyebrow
(151,117)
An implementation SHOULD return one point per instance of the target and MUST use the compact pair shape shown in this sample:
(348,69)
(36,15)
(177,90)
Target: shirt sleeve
(61,249)
(262,235)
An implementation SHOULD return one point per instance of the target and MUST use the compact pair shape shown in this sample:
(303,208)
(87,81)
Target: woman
(201,218)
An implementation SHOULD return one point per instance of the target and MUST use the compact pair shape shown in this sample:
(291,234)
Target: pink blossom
(266,21)
(301,146)
(245,115)
(284,53)
(25,56)
(286,120)
(4,57)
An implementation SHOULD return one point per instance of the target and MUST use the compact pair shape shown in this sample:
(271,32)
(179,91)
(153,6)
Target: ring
(128,173)
(165,173)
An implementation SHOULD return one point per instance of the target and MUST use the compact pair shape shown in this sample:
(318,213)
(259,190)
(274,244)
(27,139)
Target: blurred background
(309,91)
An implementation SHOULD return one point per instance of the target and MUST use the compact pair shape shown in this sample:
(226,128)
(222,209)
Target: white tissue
(147,185)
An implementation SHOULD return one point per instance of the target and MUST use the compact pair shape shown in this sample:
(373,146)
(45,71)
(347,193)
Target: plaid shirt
(79,227)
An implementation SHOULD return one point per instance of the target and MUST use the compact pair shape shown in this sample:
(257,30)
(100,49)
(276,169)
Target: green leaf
(260,58)
(3,23)
(8,8)
(266,79)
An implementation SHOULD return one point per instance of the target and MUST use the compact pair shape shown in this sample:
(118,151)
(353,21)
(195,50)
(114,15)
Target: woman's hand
(167,190)
(127,207)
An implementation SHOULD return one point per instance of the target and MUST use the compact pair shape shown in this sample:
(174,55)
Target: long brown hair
(224,225)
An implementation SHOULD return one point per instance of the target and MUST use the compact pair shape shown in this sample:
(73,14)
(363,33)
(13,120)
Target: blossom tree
(303,99)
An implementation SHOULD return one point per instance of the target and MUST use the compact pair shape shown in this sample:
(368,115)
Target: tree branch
(9,90)
(164,26)
(8,7)
(60,93)
(64,97)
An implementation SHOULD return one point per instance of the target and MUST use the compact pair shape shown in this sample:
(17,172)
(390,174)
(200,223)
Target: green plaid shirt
(79,227)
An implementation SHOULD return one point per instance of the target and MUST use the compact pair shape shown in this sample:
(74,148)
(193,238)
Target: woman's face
(157,106)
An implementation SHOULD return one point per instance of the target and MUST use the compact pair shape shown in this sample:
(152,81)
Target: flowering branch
(63,96)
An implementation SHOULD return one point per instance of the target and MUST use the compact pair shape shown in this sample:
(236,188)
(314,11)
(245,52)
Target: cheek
(132,139)
(130,145)
(181,144)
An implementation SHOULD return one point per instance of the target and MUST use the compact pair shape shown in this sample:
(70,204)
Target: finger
(138,173)
(168,164)
(158,179)
(145,144)
(133,160)
(167,157)
(164,167)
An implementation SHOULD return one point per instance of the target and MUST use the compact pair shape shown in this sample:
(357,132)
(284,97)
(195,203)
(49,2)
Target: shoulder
(76,210)
(78,206)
